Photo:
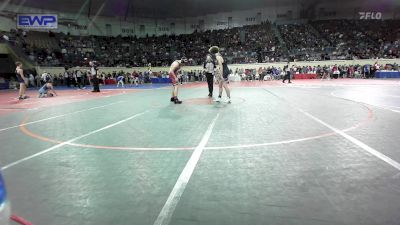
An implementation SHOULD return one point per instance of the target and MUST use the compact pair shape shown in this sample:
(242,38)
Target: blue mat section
(113,86)
(391,74)
(160,80)
(4,85)
(143,86)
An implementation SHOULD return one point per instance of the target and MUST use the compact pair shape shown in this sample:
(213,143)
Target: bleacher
(317,40)
(42,40)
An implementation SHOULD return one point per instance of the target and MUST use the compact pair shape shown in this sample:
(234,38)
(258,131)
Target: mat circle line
(27,132)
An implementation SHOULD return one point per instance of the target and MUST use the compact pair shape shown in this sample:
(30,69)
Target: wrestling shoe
(23,97)
(177,101)
(217,99)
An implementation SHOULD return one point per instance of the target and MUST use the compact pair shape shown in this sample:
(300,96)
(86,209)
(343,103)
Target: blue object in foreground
(4,206)
(387,74)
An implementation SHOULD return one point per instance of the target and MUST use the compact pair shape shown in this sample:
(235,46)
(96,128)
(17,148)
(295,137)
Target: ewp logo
(36,21)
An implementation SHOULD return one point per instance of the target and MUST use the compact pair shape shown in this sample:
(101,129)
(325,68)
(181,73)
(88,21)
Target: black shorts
(20,79)
(223,79)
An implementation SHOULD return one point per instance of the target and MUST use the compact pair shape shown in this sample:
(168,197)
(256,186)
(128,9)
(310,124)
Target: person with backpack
(221,74)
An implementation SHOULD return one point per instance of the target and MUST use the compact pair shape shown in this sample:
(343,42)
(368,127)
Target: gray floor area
(309,154)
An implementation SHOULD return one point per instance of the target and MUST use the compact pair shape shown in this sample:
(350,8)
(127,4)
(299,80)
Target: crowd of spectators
(321,71)
(240,45)
(246,44)
(345,40)
(360,39)
(317,40)
(301,38)
(79,78)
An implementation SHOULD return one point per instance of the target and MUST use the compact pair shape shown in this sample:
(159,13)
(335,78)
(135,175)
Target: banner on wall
(37,21)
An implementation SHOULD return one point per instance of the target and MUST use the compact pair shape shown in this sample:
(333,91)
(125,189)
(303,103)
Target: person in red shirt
(134,78)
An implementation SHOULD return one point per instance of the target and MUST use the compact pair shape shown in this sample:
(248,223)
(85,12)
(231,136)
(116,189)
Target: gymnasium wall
(3,49)
(80,25)
(58,70)
(351,9)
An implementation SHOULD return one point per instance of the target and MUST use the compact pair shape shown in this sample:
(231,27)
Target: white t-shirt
(93,71)
(209,67)
(44,76)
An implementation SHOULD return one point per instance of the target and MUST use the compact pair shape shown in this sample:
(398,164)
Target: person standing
(31,80)
(37,80)
(335,71)
(173,75)
(260,72)
(134,78)
(66,78)
(46,77)
(367,71)
(95,79)
(221,74)
(71,78)
(19,72)
(286,69)
(78,78)
(209,67)
(375,68)
(43,78)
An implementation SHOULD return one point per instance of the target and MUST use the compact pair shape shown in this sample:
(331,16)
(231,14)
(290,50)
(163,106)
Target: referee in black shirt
(209,67)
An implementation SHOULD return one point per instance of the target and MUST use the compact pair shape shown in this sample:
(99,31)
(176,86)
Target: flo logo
(370,15)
